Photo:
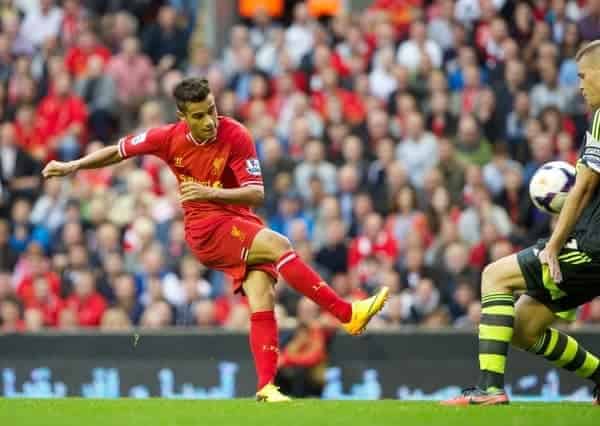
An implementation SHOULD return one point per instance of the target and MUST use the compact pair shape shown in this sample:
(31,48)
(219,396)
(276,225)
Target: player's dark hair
(190,90)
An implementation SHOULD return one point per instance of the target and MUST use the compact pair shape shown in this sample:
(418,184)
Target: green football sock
(495,334)
(564,351)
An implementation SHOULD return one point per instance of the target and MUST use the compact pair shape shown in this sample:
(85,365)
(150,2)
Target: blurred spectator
(97,89)
(8,255)
(115,319)
(164,42)
(410,53)
(589,25)
(63,119)
(314,164)
(302,362)
(10,316)
(42,23)
(45,301)
(78,58)
(482,209)
(85,302)
(549,92)
(19,172)
(418,151)
(125,298)
(471,146)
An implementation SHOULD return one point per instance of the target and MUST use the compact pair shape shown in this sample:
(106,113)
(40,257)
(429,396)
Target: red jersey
(230,161)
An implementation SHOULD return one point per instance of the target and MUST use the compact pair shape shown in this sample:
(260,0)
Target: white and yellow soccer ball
(550,185)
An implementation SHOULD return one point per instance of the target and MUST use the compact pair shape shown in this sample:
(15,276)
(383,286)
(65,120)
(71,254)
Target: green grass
(154,412)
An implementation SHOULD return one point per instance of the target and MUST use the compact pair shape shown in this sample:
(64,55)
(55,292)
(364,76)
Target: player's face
(202,118)
(589,81)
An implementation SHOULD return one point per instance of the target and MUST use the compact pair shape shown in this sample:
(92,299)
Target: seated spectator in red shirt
(302,362)
(353,109)
(39,267)
(62,119)
(86,302)
(44,300)
(10,316)
(373,241)
(28,134)
(77,57)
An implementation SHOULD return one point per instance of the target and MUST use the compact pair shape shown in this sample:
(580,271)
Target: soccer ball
(550,184)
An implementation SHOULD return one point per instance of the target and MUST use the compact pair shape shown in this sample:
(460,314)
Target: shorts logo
(253,167)
(236,233)
(139,139)
(217,165)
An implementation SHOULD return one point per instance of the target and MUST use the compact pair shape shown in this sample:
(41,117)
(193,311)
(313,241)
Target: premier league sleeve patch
(253,167)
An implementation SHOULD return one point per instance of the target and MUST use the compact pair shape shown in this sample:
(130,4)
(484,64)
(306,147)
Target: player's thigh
(532,318)
(503,275)
(267,246)
(258,286)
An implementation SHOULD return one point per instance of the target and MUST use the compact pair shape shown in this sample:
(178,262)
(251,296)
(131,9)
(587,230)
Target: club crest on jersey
(217,165)
(178,161)
(236,233)
(253,167)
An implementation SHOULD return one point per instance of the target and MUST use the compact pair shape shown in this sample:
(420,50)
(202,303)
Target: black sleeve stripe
(596,125)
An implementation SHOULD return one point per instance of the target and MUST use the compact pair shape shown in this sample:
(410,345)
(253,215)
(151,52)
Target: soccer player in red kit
(219,177)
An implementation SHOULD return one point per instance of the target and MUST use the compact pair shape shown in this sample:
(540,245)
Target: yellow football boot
(270,393)
(364,310)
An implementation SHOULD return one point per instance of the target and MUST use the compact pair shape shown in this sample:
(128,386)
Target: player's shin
(302,278)
(264,345)
(565,352)
(495,334)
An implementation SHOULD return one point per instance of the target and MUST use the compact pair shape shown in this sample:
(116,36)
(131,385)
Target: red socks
(264,345)
(305,280)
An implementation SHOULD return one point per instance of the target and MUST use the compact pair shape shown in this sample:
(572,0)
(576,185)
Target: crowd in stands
(396,145)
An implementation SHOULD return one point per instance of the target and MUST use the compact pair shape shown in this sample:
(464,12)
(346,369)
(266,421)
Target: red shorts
(223,242)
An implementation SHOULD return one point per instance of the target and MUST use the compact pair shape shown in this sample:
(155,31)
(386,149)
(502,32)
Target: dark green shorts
(580,283)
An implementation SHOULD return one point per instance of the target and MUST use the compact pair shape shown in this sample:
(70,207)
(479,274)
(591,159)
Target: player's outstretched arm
(97,159)
(585,185)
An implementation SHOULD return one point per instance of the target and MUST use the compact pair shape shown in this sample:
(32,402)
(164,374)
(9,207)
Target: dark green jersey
(587,228)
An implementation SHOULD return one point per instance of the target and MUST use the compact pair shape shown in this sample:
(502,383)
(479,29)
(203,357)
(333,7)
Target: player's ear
(180,114)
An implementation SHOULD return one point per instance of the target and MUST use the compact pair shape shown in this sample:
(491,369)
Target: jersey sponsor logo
(253,167)
(139,138)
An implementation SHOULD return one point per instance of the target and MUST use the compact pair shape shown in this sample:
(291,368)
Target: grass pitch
(155,412)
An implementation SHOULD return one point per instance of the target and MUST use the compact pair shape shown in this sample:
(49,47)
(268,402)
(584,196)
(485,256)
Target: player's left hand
(194,191)
(549,256)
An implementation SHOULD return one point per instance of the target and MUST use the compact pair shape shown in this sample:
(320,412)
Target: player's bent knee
(491,281)
(523,338)
(279,244)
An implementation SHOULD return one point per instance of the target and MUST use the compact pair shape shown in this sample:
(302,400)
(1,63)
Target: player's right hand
(549,256)
(59,168)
